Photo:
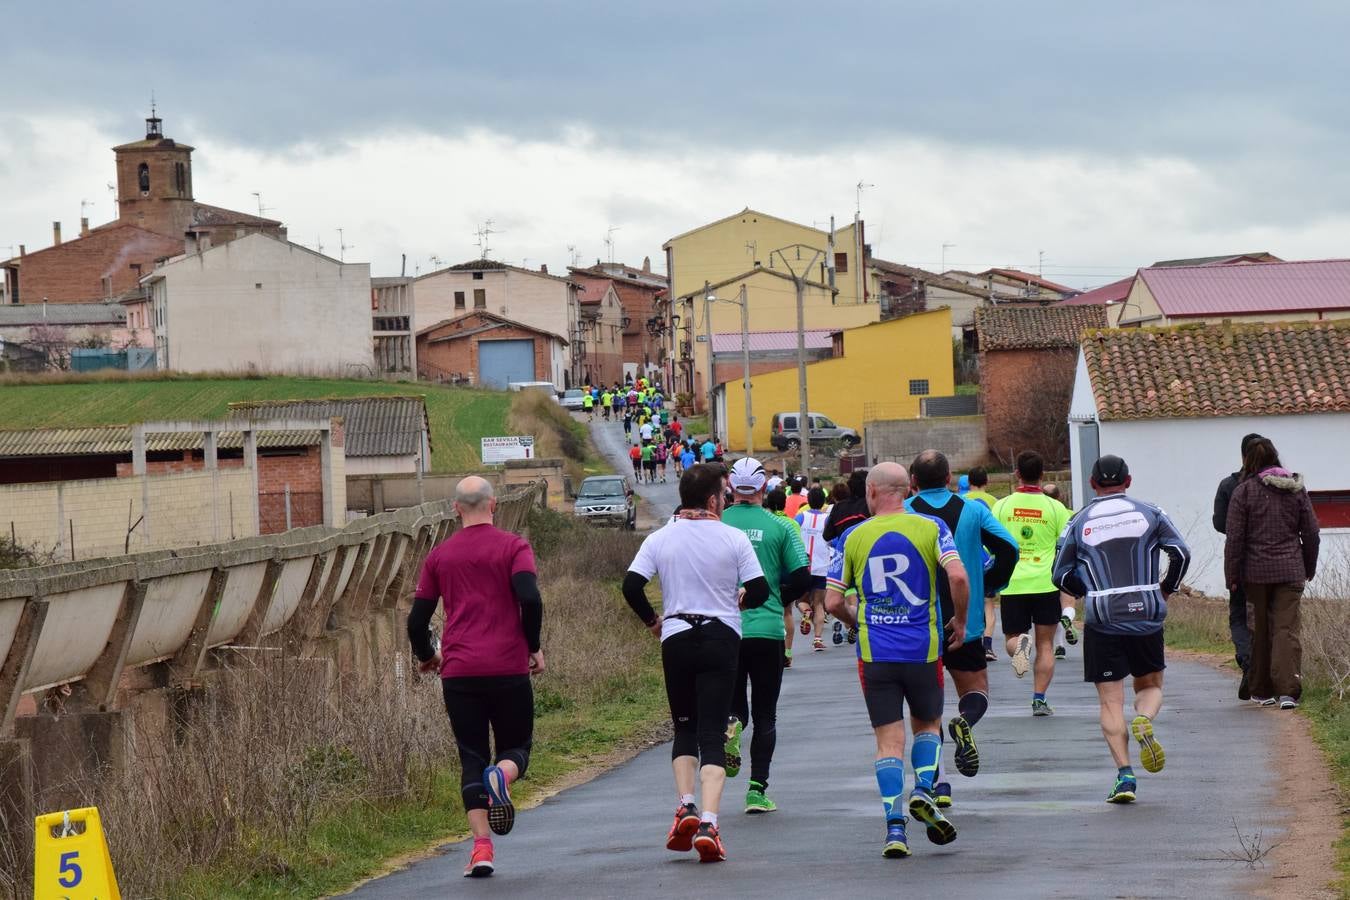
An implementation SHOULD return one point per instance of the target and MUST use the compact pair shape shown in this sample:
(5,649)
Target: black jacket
(1221,499)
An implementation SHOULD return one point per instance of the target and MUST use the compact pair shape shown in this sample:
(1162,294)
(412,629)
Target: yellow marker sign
(72,858)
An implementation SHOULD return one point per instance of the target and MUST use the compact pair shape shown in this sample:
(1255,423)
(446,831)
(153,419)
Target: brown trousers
(1277,648)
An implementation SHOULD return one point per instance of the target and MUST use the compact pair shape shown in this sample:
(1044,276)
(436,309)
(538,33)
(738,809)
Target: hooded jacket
(1272,531)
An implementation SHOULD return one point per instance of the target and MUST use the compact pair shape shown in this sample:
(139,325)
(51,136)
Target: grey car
(574,399)
(606,500)
(785,435)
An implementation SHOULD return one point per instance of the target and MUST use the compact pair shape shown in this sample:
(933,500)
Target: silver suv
(785,434)
(606,500)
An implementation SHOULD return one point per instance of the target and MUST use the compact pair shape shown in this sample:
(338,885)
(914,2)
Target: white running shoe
(1021,658)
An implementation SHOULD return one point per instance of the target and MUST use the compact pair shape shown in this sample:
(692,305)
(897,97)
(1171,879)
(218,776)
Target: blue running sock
(924,756)
(891,782)
(1125,772)
(1039,695)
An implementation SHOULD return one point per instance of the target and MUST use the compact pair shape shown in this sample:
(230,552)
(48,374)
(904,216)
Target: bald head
(473,494)
(887,488)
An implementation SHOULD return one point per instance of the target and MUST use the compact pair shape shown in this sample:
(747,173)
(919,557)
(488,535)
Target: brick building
(485,348)
(639,291)
(598,347)
(157,216)
(1027,360)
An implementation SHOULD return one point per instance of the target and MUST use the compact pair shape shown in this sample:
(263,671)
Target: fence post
(288,506)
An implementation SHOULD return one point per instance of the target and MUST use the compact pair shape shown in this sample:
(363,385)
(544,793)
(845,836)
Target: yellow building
(739,251)
(880,370)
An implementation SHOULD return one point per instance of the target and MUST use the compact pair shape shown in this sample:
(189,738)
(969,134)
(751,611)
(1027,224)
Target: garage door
(501,362)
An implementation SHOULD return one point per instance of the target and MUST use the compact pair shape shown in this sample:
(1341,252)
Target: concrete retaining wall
(961,438)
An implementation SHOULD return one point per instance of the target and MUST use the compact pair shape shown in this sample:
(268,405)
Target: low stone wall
(961,438)
(377,493)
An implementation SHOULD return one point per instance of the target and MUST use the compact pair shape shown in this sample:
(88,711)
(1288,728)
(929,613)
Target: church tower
(154,182)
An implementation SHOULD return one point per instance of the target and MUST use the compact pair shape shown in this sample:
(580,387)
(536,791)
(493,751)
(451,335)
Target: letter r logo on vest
(886,577)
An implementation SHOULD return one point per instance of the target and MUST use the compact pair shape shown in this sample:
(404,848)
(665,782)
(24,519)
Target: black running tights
(700,668)
(760,671)
(502,703)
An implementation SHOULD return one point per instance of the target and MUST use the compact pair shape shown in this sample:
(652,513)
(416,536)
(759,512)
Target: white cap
(747,476)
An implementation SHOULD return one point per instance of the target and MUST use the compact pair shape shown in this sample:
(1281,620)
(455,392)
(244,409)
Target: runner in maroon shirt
(490,646)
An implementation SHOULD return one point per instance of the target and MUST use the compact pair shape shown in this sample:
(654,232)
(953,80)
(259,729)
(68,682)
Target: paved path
(659,500)
(1033,823)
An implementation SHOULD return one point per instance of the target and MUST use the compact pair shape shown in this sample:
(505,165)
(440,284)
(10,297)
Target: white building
(1175,404)
(260,304)
(533,298)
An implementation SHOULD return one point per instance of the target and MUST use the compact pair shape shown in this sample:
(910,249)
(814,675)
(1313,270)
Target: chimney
(543,267)
(647,265)
(84,226)
(56,234)
(22,250)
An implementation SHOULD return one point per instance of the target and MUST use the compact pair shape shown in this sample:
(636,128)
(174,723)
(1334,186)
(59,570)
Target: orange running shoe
(681,837)
(708,843)
(480,864)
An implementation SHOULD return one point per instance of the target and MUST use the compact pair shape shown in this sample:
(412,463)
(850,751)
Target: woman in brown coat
(1271,553)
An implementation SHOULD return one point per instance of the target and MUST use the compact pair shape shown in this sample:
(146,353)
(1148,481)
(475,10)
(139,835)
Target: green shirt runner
(1036,521)
(780,551)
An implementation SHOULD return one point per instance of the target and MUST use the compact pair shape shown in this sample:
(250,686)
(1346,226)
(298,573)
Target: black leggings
(505,703)
(700,668)
(761,671)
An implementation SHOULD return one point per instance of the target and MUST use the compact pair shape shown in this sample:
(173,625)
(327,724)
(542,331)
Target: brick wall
(961,438)
(73,272)
(1026,396)
(461,356)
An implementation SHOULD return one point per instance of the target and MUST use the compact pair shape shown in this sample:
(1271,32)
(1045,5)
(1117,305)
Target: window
(257,286)
(918,387)
(819,422)
(479,298)
(143,176)
(477,276)
(841,262)
(459,299)
(1332,508)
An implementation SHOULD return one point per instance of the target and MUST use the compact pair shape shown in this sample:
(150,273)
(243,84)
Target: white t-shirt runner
(812,522)
(702,564)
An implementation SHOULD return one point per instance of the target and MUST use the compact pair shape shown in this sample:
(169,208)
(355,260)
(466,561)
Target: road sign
(72,860)
(497,450)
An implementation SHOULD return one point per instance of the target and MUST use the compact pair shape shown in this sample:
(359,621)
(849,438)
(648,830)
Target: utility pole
(799,280)
(707,335)
(745,361)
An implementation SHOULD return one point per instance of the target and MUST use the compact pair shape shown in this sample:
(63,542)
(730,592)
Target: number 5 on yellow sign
(72,858)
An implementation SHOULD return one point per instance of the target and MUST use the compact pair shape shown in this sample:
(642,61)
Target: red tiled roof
(1193,371)
(1028,278)
(1251,289)
(1035,327)
(593,289)
(1107,293)
(770,341)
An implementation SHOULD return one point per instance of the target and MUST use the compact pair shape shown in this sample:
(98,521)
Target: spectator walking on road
(1111,557)
(1239,625)
(1270,554)
(485,577)
(702,563)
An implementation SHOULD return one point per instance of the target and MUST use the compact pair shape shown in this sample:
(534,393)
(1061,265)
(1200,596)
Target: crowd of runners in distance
(909,566)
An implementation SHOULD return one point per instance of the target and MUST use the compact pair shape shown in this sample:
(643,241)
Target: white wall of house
(1178,463)
(262,304)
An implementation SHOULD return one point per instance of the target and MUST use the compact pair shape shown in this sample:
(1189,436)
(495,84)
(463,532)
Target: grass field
(458,416)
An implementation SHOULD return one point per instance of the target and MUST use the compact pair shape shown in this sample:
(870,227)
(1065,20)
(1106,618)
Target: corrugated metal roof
(1107,293)
(1268,287)
(116,439)
(770,341)
(372,426)
(62,314)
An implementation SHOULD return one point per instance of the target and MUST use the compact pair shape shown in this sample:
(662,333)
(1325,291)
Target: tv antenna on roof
(343,246)
(435,260)
(262,210)
(857,211)
(572,251)
(485,232)
(318,243)
(609,240)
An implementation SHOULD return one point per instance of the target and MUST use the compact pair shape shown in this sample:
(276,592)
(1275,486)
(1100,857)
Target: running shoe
(733,747)
(1021,658)
(838,634)
(967,754)
(501,812)
(1150,751)
(681,837)
(1070,633)
(480,863)
(1061,653)
(923,806)
(897,844)
(1244,692)
(708,843)
(1287,702)
(1264,701)
(1123,792)
(818,645)
(756,802)
(989,654)
(942,795)
(787,659)
(853,635)
(1041,708)
(805,626)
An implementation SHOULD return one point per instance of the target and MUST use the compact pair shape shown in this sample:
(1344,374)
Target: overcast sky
(1105,137)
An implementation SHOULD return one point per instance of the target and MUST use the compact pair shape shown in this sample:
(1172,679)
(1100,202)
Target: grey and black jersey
(1110,555)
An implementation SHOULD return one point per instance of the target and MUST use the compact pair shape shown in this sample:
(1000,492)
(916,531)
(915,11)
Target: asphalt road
(1033,823)
(658,500)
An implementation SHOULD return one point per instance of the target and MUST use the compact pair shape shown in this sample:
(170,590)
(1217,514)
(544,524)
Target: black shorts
(1020,611)
(1110,657)
(887,686)
(817,582)
(969,657)
(650,466)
